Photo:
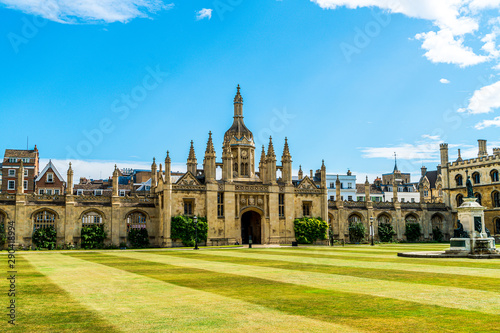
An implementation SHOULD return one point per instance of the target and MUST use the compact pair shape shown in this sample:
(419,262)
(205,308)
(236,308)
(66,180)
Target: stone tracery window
(410,218)
(460,200)
(384,219)
(44,219)
(459,180)
(494,176)
(91,218)
(478,198)
(476,178)
(354,218)
(136,220)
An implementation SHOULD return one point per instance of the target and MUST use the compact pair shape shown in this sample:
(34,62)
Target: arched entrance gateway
(251,226)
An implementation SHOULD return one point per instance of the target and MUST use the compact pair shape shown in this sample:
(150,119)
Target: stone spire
(271,163)
(395,163)
(238,103)
(459,159)
(301,174)
(168,167)
(227,161)
(367,190)
(337,189)
(323,174)
(262,165)
(69,184)
(286,162)
(116,174)
(209,160)
(192,163)
(153,175)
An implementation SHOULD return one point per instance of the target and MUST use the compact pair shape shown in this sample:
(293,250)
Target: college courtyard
(352,288)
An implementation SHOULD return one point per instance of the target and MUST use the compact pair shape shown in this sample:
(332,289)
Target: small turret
(367,190)
(168,168)
(323,174)
(286,162)
(262,165)
(337,189)
(20,179)
(116,174)
(271,163)
(192,163)
(209,160)
(153,176)
(69,185)
(301,174)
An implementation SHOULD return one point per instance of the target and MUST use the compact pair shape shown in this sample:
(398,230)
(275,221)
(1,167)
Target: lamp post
(195,220)
(372,231)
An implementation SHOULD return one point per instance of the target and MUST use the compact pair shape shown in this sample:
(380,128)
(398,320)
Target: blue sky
(347,81)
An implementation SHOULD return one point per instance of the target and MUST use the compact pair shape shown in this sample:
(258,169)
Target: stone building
(396,213)
(248,200)
(483,171)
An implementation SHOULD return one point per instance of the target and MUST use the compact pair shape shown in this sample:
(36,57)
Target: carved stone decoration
(243,201)
(251,201)
(221,187)
(282,189)
(260,202)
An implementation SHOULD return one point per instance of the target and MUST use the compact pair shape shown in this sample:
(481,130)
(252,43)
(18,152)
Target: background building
(347,186)
(13,158)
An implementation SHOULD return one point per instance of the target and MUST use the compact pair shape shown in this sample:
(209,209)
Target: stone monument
(471,237)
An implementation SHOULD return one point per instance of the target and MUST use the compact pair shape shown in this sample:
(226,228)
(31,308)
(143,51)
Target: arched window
(383,218)
(476,177)
(440,190)
(437,222)
(91,218)
(410,218)
(494,175)
(495,198)
(354,218)
(136,220)
(478,198)
(460,200)
(44,219)
(459,180)
(497,226)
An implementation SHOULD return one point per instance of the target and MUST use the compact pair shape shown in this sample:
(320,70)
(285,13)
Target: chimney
(311,172)
(424,170)
(482,148)
(496,151)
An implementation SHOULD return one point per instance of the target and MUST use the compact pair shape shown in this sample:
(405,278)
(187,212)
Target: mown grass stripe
(466,299)
(43,306)
(467,263)
(351,262)
(376,314)
(437,279)
(140,303)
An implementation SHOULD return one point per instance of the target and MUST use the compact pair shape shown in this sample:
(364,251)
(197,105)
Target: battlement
(477,161)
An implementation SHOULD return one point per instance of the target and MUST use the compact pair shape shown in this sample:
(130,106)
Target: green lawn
(305,289)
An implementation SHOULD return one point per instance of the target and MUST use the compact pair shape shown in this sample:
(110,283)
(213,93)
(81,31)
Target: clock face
(244,153)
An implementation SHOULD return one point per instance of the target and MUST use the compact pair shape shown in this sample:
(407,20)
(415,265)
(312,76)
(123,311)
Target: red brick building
(50,181)
(10,167)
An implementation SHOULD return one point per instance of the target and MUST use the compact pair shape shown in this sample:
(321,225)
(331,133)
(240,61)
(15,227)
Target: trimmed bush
(138,237)
(413,232)
(183,228)
(357,232)
(45,238)
(386,232)
(437,234)
(93,236)
(308,230)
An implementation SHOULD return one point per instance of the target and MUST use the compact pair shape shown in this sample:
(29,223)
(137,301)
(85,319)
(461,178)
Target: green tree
(357,232)
(45,237)
(138,237)
(413,232)
(308,229)
(183,228)
(386,232)
(93,236)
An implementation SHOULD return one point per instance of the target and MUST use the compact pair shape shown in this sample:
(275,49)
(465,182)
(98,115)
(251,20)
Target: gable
(188,179)
(49,168)
(307,183)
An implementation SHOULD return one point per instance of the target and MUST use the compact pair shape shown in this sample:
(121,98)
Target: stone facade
(484,173)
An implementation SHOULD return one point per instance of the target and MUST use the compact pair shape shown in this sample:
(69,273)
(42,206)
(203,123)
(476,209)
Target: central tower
(239,139)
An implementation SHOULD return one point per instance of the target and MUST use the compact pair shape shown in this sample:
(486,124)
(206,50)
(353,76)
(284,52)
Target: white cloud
(425,149)
(97,169)
(488,123)
(484,100)
(444,47)
(82,11)
(444,81)
(454,19)
(204,13)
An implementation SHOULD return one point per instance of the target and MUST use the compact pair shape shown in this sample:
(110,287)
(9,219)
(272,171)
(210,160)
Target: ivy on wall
(308,230)
(183,228)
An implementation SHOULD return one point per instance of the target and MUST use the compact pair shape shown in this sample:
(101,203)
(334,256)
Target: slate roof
(20,153)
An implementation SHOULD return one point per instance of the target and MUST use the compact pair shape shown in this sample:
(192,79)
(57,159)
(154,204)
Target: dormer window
(50,177)
(97,192)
